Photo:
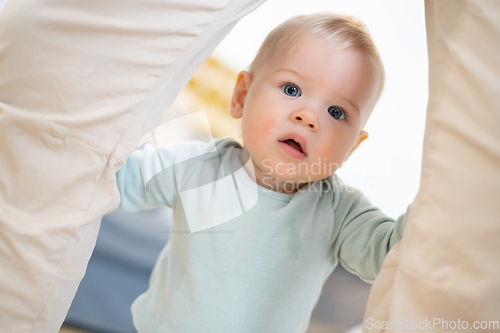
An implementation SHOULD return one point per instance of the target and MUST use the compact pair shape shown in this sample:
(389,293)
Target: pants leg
(447,265)
(80,83)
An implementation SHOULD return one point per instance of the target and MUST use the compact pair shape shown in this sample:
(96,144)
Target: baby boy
(303,103)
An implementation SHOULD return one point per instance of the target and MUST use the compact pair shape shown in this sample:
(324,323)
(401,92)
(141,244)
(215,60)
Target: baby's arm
(366,235)
(134,196)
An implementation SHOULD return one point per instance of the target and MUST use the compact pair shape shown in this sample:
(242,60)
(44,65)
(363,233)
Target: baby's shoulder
(344,196)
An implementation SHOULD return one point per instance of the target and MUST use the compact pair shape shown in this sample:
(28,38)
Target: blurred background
(386,167)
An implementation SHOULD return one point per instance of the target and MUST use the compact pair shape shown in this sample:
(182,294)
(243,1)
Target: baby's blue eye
(336,112)
(291,90)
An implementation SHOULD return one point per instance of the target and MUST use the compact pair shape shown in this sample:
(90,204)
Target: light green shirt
(261,271)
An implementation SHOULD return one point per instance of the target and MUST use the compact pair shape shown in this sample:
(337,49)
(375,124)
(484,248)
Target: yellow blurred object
(210,89)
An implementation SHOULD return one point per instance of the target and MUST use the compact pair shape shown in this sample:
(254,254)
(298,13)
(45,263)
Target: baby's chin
(288,171)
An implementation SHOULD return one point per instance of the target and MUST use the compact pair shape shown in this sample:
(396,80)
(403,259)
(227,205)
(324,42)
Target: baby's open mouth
(293,144)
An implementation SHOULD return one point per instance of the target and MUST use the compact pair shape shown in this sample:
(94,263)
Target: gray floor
(341,304)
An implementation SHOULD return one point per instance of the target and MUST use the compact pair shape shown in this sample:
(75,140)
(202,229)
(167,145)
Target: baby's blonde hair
(343,31)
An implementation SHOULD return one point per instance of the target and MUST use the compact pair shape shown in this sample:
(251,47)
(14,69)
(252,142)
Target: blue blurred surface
(119,269)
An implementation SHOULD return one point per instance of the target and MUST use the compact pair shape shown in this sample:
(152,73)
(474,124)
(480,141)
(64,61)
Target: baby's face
(303,112)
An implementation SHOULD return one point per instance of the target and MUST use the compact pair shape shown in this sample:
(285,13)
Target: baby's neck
(277,185)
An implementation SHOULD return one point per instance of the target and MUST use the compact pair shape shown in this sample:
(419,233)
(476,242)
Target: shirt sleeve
(366,235)
(132,179)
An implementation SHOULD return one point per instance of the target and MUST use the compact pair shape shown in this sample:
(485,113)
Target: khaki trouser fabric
(447,265)
(80,83)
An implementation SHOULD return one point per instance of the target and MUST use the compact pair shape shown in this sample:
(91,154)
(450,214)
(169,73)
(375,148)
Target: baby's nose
(306,117)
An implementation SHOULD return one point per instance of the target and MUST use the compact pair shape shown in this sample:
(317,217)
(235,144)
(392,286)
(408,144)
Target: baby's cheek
(258,131)
(267,127)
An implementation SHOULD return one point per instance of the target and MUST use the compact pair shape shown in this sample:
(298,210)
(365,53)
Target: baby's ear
(363,135)
(240,92)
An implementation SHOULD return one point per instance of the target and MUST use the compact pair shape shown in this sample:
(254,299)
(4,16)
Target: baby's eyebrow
(290,71)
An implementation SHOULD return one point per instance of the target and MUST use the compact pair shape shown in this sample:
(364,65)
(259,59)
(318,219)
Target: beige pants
(80,83)
(447,266)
